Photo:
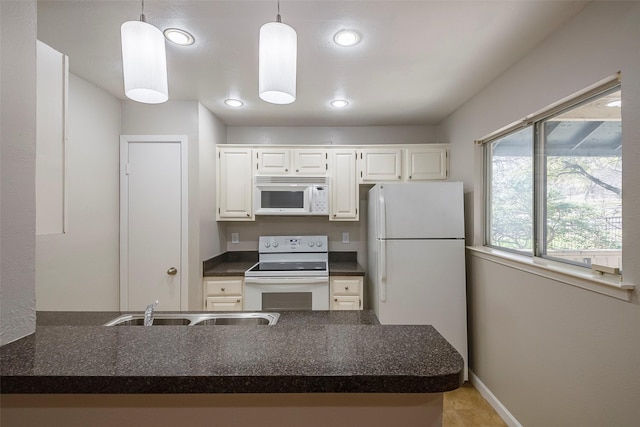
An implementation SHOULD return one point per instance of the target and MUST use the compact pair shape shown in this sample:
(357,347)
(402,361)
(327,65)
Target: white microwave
(291,195)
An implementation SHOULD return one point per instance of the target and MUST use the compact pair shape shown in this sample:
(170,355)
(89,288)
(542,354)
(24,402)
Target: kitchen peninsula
(311,367)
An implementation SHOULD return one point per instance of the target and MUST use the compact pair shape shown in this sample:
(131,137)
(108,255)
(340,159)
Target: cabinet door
(223,304)
(426,163)
(380,164)
(273,161)
(343,186)
(310,162)
(345,303)
(235,186)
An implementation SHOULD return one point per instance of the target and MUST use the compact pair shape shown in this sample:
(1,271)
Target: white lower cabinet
(346,292)
(223,293)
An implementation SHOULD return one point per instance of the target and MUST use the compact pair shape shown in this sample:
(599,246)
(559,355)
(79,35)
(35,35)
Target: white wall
(553,354)
(78,270)
(17,161)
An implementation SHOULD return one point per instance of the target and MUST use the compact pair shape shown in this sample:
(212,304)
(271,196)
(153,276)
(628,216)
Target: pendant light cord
(278,18)
(142,17)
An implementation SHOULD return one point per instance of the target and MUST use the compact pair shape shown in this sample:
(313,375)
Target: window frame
(539,178)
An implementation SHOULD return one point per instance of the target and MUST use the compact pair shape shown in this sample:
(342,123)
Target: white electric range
(292,274)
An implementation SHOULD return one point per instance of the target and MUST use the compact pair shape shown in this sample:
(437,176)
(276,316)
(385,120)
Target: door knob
(172,271)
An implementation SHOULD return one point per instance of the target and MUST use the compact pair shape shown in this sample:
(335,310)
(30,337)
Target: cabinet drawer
(345,287)
(345,303)
(224,287)
(224,303)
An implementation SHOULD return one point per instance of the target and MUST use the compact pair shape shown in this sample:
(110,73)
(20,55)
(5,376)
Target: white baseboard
(502,411)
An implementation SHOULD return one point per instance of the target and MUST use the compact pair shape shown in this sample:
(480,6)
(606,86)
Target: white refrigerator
(416,257)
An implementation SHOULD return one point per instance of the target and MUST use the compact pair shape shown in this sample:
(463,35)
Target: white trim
(484,391)
(569,275)
(184,214)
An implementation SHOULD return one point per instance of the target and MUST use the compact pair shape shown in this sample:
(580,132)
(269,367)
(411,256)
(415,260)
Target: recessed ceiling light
(235,103)
(346,38)
(179,36)
(617,103)
(339,103)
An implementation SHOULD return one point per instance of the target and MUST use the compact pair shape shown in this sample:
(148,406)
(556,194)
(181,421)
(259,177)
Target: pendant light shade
(278,52)
(144,62)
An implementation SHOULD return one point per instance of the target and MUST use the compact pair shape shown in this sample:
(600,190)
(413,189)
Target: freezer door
(425,285)
(430,210)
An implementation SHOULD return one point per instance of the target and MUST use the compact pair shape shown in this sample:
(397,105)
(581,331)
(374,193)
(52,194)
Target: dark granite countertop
(306,352)
(229,264)
(236,263)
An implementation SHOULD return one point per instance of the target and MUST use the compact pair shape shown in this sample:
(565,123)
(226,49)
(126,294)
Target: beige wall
(212,131)
(345,135)
(554,354)
(17,174)
(78,270)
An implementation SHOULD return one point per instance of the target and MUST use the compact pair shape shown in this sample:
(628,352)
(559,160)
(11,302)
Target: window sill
(603,284)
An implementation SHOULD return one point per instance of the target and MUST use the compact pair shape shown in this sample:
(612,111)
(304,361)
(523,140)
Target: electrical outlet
(345,237)
(235,238)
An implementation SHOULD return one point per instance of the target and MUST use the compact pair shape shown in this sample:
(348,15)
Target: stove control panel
(293,244)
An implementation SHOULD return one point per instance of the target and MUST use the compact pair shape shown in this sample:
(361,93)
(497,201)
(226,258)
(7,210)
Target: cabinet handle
(297,170)
(346,288)
(221,289)
(238,300)
(172,271)
(409,176)
(286,170)
(248,215)
(335,299)
(399,177)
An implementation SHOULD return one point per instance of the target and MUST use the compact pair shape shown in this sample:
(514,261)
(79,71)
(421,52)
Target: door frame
(124,217)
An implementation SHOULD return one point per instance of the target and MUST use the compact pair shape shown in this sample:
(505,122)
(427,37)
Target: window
(554,182)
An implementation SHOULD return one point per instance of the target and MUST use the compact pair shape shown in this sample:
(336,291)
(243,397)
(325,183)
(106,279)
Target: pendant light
(278,51)
(144,62)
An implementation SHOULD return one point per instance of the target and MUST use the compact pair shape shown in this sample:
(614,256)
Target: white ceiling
(418,61)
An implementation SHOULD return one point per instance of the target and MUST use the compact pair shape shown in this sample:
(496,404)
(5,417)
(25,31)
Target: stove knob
(318,243)
(274,244)
(267,244)
(310,243)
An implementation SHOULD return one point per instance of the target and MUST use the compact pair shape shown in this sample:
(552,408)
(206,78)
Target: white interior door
(152,222)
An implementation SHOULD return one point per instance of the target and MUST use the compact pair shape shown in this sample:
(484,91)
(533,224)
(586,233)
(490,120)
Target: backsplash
(249,232)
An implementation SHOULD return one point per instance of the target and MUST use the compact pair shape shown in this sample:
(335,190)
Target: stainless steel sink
(195,319)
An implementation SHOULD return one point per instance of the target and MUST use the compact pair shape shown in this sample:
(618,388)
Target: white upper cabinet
(380,164)
(343,186)
(235,184)
(310,162)
(347,167)
(426,162)
(286,161)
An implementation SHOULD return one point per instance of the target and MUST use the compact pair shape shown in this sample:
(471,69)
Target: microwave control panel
(320,200)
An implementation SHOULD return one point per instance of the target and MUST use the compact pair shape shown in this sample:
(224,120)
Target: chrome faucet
(148,313)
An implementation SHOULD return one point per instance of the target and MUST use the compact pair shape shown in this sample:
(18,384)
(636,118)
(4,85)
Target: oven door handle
(286,280)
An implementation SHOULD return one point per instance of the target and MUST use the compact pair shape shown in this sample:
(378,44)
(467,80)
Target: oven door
(286,293)
(284,199)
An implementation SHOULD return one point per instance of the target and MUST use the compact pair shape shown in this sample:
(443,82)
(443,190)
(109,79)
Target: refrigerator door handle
(382,270)
(383,213)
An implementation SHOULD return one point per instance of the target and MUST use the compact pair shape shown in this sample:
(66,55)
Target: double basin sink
(195,319)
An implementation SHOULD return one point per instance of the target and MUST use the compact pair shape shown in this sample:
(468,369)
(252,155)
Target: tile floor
(465,407)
